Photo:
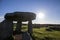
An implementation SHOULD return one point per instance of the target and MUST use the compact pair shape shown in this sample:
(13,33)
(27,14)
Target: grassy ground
(42,34)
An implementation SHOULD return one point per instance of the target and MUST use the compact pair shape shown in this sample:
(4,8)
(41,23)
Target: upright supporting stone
(30,27)
(19,24)
(6,29)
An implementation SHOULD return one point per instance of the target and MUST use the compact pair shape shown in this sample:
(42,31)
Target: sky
(49,8)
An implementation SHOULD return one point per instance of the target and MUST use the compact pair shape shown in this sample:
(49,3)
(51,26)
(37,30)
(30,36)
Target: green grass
(42,34)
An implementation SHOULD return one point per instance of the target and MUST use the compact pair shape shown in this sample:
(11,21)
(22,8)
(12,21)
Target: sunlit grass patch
(43,34)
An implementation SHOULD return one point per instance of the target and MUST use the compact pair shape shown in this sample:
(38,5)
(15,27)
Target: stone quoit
(23,16)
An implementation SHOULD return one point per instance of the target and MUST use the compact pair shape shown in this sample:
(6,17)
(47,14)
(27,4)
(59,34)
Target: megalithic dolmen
(19,17)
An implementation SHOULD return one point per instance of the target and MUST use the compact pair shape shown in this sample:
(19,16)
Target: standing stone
(30,27)
(6,29)
(18,28)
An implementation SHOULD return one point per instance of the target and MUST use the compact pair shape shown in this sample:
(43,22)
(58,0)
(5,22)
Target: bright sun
(41,15)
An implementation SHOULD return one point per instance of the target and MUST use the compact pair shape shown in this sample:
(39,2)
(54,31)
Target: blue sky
(50,8)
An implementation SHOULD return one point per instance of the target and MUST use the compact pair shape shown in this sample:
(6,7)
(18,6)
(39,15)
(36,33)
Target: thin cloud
(1,17)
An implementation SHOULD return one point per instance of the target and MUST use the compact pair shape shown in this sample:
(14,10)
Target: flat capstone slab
(23,16)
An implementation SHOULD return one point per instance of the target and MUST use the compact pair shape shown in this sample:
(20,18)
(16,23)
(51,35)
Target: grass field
(42,34)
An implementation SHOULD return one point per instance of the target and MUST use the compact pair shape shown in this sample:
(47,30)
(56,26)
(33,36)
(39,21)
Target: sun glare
(41,15)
